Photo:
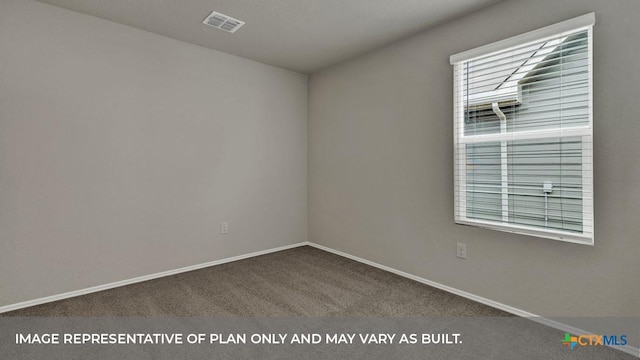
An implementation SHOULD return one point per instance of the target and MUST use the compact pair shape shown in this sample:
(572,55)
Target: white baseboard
(138,279)
(510,309)
(434,284)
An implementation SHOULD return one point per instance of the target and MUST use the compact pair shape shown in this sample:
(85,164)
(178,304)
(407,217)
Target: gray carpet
(309,286)
(302,281)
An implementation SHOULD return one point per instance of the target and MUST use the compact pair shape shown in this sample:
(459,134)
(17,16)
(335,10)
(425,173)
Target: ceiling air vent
(223,22)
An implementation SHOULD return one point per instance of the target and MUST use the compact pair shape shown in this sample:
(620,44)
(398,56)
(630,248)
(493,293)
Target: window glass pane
(556,93)
(481,122)
(531,164)
(540,86)
(483,174)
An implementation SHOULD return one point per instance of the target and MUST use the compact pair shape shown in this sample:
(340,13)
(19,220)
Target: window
(523,133)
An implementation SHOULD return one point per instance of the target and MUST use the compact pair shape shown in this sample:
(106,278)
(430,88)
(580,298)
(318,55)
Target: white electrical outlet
(461,251)
(224,228)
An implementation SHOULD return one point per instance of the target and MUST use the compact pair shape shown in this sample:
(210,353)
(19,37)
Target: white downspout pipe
(504,174)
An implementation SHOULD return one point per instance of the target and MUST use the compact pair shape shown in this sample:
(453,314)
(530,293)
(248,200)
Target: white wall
(121,151)
(381,167)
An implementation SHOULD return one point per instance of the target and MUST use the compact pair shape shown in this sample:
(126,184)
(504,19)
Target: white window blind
(523,133)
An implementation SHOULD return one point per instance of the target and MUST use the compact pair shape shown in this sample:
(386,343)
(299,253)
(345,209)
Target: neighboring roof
(506,87)
(567,46)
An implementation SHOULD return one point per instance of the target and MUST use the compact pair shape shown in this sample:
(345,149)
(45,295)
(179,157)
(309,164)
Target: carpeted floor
(302,281)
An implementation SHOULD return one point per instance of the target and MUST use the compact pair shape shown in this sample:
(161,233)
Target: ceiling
(300,35)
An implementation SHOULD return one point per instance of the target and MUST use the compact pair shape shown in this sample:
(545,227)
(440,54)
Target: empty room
(319,179)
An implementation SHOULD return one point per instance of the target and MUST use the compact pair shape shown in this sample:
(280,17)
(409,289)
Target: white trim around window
(523,133)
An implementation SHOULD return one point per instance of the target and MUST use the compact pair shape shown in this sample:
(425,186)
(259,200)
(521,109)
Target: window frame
(585,133)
